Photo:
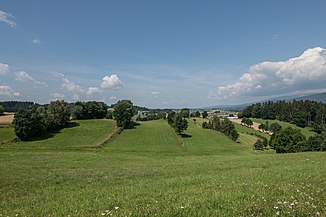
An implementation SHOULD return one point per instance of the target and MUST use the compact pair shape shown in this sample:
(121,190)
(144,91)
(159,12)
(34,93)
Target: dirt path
(254,126)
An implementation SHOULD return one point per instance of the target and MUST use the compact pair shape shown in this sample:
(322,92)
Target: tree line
(14,106)
(2,110)
(287,140)
(225,126)
(301,113)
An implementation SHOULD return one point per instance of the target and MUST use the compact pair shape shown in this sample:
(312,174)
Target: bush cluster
(32,122)
(89,110)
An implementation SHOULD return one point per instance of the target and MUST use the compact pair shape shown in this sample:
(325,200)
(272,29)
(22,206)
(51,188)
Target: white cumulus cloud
(24,76)
(4,69)
(111,81)
(7,18)
(7,91)
(306,72)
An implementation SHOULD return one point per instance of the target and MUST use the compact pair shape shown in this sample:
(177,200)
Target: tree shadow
(183,135)
(133,125)
(51,133)
(45,136)
(72,124)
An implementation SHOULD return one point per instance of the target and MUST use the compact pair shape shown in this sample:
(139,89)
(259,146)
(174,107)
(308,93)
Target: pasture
(150,171)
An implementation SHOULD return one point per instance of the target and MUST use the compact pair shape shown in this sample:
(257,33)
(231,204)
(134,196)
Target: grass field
(6,134)
(305,131)
(149,171)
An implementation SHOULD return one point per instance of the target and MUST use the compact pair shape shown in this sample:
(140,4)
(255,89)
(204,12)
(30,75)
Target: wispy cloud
(7,91)
(93,90)
(7,18)
(56,96)
(36,41)
(155,94)
(24,76)
(4,69)
(306,72)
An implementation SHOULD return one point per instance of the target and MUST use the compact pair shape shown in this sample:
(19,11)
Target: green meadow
(305,131)
(150,171)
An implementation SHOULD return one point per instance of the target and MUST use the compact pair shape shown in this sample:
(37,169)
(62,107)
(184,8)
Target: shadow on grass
(72,124)
(52,133)
(183,135)
(132,125)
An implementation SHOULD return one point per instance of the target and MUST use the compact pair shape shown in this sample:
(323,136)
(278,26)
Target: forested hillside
(301,113)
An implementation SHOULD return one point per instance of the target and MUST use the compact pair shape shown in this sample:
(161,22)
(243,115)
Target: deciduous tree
(123,112)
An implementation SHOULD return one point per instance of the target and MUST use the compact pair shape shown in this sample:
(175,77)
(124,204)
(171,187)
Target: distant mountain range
(320,97)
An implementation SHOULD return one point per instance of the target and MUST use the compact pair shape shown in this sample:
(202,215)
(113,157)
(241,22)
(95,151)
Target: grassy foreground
(149,171)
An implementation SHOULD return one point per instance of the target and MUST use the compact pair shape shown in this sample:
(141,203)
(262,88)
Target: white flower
(116,207)
(278,213)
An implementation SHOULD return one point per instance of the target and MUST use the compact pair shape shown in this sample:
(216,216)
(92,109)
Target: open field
(149,171)
(6,119)
(6,134)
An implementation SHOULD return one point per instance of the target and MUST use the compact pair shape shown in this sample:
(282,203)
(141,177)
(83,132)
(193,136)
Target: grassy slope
(85,133)
(205,141)
(304,131)
(243,129)
(6,134)
(183,181)
(147,138)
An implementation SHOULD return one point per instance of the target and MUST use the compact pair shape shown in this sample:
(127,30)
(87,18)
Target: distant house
(143,113)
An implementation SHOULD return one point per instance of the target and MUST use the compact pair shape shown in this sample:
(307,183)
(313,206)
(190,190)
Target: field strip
(6,119)
(114,134)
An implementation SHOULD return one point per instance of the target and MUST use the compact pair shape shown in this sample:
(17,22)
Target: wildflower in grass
(182,207)
(278,213)
(116,207)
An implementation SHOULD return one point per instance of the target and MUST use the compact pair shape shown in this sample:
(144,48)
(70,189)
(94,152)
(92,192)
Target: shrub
(28,123)
(259,145)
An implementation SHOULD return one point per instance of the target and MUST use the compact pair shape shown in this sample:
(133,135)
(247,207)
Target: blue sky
(161,53)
